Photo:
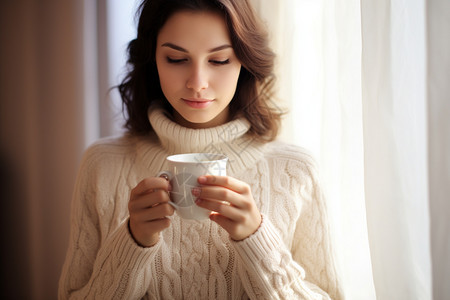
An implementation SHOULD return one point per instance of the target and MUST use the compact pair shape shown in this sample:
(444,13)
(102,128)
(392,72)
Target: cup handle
(168,176)
(174,205)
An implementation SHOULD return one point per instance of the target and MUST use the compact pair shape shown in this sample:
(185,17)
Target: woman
(200,80)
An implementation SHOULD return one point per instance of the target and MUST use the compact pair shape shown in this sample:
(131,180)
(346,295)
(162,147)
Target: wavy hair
(254,92)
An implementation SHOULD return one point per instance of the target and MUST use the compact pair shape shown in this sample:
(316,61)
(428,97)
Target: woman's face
(197,67)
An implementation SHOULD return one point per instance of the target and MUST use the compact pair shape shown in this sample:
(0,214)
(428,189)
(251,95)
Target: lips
(197,103)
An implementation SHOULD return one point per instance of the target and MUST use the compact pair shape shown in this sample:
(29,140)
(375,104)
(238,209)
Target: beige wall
(41,134)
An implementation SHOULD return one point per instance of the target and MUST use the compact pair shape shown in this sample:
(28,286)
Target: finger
(229,225)
(158,225)
(149,184)
(225,181)
(143,228)
(154,213)
(222,208)
(148,200)
(236,230)
(220,194)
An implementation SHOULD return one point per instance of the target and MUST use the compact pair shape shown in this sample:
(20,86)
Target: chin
(200,122)
(200,119)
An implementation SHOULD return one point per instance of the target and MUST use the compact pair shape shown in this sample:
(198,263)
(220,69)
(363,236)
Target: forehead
(192,30)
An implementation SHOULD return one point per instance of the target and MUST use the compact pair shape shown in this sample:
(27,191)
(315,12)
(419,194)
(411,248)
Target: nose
(198,79)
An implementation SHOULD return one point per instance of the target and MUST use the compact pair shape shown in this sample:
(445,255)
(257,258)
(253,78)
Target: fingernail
(164,176)
(202,179)
(196,191)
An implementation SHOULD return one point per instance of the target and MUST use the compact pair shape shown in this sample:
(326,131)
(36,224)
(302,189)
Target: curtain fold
(42,137)
(395,147)
(361,106)
(438,92)
(319,73)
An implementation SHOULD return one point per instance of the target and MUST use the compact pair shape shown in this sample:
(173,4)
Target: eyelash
(175,61)
(215,62)
(220,62)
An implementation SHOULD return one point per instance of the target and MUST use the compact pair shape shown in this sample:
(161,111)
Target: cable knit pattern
(289,257)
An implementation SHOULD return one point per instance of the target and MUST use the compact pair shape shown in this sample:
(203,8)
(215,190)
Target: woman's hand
(232,204)
(149,209)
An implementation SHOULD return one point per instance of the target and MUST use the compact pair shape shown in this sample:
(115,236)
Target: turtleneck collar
(229,139)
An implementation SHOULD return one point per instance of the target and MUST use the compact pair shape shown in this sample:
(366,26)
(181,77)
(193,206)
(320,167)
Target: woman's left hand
(232,204)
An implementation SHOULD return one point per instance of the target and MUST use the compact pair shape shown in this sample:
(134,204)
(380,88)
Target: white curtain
(319,49)
(395,142)
(367,86)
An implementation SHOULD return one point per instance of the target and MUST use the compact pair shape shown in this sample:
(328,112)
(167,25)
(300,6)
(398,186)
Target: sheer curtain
(364,81)
(319,46)
(395,140)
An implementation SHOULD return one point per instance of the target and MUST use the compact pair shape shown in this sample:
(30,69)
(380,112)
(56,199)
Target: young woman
(200,80)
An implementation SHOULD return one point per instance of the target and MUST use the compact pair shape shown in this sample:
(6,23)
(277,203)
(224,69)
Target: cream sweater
(288,257)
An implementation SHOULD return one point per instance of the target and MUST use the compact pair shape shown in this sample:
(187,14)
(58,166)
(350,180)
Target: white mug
(184,169)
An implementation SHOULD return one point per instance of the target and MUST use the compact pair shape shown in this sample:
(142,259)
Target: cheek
(163,79)
(168,80)
(227,81)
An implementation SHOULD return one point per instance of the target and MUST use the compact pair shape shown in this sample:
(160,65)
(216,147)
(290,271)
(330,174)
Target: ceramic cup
(183,171)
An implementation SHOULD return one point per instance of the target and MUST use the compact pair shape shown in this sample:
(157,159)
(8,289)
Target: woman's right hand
(149,208)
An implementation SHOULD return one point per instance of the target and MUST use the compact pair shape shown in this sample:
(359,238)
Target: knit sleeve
(100,265)
(313,245)
(270,269)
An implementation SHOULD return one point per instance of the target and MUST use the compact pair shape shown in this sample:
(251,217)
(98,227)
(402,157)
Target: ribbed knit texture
(288,257)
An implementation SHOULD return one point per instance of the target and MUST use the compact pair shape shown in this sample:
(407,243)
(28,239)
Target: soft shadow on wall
(42,137)
(14,222)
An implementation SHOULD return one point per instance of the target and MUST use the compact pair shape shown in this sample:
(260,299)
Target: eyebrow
(178,48)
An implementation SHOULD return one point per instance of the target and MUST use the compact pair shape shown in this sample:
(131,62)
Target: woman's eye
(220,62)
(176,61)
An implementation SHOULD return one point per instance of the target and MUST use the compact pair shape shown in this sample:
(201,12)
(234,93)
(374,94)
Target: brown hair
(254,91)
